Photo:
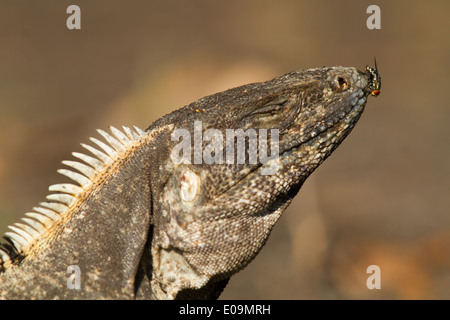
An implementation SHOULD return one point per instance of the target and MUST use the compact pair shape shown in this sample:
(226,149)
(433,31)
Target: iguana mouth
(345,118)
(348,119)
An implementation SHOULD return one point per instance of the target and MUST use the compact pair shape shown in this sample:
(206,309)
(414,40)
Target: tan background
(382,197)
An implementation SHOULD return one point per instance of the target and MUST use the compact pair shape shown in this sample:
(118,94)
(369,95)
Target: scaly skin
(143,226)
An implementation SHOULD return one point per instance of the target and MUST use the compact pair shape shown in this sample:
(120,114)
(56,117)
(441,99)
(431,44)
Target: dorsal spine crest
(22,236)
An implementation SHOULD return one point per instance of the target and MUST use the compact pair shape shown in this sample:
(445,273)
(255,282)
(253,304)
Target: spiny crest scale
(23,235)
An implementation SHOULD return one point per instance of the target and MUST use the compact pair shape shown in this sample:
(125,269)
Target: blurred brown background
(381,198)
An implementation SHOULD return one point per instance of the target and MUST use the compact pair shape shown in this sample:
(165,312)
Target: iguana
(139,225)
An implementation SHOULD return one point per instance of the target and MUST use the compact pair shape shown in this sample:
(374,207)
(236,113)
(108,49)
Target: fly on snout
(374,80)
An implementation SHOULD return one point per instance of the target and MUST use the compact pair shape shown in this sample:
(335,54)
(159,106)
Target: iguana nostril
(342,83)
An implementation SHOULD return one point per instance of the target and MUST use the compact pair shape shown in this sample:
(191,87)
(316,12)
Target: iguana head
(233,163)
